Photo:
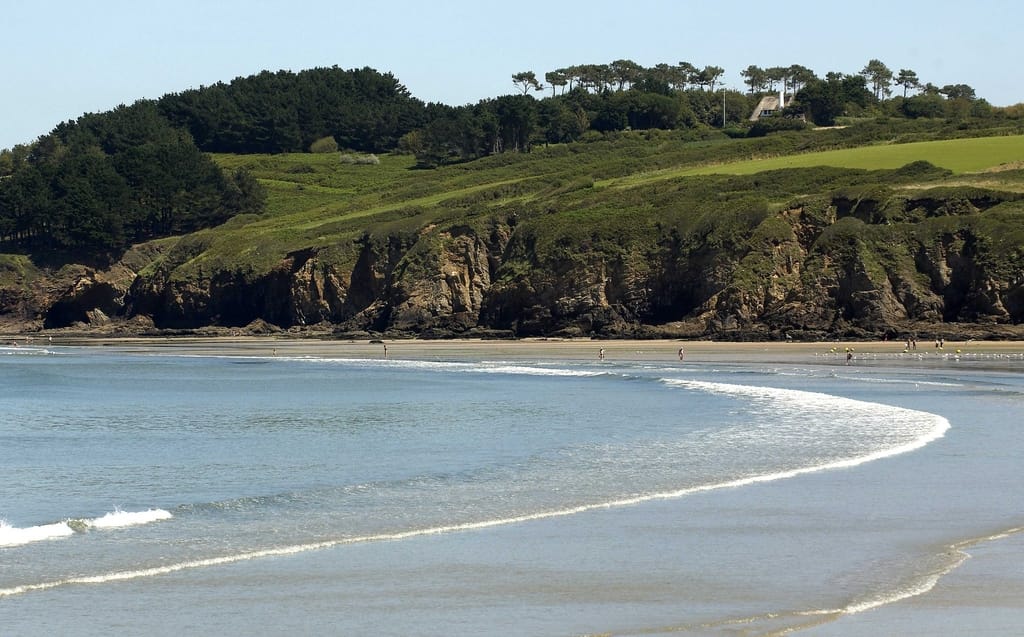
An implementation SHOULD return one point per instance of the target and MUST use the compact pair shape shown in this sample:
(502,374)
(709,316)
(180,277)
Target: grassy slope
(316,201)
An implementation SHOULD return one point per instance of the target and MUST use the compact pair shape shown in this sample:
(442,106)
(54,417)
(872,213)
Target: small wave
(897,381)
(955,556)
(16,350)
(482,367)
(118,518)
(534,371)
(905,430)
(14,536)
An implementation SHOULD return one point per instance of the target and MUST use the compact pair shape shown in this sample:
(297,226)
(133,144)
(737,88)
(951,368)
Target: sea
(165,493)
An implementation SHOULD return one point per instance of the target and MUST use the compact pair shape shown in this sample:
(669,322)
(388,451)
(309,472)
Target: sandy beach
(825,352)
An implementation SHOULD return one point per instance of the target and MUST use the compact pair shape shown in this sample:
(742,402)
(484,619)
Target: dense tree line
(97,184)
(625,95)
(281,112)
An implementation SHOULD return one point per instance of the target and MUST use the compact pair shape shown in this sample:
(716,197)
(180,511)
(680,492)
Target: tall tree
(685,74)
(517,118)
(708,77)
(625,72)
(774,75)
(754,77)
(879,77)
(558,77)
(798,76)
(525,81)
(957,91)
(908,80)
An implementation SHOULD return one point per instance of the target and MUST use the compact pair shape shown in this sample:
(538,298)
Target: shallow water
(167,493)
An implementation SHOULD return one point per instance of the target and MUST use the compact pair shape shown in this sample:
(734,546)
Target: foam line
(924,583)
(13,536)
(118,518)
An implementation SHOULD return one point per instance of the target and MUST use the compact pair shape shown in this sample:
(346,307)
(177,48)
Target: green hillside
(318,200)
(647,233)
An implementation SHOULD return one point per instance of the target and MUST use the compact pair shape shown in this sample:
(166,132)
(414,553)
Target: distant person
(600,354)
(682,353)
(385,349)
(849,357)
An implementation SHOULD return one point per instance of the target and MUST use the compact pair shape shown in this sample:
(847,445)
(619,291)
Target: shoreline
(666,350)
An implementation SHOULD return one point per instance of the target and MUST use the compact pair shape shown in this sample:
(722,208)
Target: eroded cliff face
(833,270)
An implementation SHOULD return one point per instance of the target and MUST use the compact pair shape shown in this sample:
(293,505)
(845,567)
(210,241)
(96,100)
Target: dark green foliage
(766,125)
(822,101)
(559,123)
(97,184)
(286,112)
(923,105)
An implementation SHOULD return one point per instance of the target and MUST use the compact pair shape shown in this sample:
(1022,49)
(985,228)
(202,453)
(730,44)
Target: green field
(959,155)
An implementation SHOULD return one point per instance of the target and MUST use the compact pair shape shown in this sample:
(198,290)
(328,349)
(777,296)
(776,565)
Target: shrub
(767,125)
(324,145)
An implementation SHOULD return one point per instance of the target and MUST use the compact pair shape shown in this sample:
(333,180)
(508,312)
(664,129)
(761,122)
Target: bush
(324,145)
(767,125)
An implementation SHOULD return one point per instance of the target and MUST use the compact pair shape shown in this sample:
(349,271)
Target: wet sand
(830,352)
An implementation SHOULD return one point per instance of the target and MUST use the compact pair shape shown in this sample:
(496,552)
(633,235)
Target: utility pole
(723,107)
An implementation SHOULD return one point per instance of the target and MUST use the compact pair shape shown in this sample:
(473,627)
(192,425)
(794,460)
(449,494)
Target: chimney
(782,96)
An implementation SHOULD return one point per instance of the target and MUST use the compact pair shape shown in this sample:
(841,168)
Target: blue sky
(64,58)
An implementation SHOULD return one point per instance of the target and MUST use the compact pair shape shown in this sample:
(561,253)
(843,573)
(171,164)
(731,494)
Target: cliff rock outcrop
(843,266)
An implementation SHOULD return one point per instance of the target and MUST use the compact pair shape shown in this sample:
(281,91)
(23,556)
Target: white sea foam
(118,518)
(482,367)
(15,536)
(955,555)
(897,381)
(533,371)
(903,430)
(26,351)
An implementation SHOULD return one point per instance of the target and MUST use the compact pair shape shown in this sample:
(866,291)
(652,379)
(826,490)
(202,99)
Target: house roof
(769,103)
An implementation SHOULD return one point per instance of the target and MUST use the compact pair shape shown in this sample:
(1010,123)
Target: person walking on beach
(385,349)
(600,354)
(682,353)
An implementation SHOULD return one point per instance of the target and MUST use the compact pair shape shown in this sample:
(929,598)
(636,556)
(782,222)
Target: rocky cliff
(855,263)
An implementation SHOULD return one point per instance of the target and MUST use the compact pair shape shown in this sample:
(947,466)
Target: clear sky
(63,58)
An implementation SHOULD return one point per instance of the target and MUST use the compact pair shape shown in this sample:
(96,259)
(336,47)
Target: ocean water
(166,494)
